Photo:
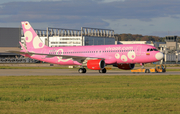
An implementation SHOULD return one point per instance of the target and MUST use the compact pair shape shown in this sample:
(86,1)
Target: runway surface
(71,72)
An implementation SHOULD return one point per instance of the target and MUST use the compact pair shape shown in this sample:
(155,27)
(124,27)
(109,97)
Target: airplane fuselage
(124,56)
(112,54)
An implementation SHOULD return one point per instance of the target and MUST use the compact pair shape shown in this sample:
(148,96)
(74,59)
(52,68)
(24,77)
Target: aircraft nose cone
(159,55)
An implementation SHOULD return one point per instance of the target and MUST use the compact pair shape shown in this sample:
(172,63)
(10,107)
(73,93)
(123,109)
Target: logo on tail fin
(32,39)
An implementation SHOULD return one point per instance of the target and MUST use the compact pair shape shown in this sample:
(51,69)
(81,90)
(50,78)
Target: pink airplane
(123,56)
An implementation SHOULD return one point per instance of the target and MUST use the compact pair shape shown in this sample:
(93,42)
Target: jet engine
(125,66)
(96,64)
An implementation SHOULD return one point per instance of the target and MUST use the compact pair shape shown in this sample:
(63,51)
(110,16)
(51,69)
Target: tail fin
(32,39)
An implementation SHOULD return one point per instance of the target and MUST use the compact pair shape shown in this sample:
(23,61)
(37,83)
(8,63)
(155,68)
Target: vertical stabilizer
(32,39)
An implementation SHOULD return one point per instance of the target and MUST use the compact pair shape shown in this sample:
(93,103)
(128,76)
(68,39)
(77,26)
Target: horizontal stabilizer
(19,52)
(24,48)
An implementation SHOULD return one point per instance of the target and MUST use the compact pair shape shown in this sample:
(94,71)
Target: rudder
(32,39)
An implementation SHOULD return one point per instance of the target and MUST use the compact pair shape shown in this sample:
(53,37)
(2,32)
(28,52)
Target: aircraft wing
(76,58)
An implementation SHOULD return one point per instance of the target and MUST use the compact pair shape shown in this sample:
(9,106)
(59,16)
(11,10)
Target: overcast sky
(146,17)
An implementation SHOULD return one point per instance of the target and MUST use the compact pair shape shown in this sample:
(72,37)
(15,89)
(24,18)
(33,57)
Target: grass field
(29,67)
(90,94)
(176,68)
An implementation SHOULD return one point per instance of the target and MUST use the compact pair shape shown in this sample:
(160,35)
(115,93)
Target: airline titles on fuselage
(108,48)
(119,48)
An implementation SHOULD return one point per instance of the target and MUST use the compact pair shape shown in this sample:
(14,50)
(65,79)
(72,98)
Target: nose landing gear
(142,64)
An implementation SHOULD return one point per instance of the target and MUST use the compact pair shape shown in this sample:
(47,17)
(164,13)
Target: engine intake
(96,64)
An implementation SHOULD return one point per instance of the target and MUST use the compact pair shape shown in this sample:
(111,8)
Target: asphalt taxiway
(72,72)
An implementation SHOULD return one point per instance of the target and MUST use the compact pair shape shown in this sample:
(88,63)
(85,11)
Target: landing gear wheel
(102,71)
(82,70)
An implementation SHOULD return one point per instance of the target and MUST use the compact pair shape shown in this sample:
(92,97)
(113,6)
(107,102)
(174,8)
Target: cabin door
(138,50)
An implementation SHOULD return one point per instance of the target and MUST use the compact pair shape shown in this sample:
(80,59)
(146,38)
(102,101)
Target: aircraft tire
(102,71)
(84,70)
(81,70)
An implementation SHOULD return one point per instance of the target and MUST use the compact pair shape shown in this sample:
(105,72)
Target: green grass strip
(90,94)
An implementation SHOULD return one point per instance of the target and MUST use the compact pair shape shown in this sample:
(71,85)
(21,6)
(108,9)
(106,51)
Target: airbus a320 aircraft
(123,56)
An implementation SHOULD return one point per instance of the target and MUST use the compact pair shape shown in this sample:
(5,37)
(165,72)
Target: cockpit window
(155,49)
(152,49)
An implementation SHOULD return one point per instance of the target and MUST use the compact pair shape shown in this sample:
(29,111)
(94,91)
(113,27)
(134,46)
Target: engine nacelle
(96,64)
(126,66)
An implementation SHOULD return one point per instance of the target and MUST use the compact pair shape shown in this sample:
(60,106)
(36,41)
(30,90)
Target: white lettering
(119,48)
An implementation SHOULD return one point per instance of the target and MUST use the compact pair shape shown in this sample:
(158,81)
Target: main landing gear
(83,70)
(102,71)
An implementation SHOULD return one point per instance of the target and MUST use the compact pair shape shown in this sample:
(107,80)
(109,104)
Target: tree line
(138,37)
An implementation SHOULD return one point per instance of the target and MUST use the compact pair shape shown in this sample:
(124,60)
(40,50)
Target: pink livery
(123,56)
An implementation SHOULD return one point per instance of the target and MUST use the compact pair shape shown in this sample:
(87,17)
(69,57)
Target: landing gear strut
(82,70)
(103,70)
(142,64)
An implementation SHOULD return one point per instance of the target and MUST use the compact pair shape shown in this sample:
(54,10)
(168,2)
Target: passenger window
(151,49)
(147,49)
